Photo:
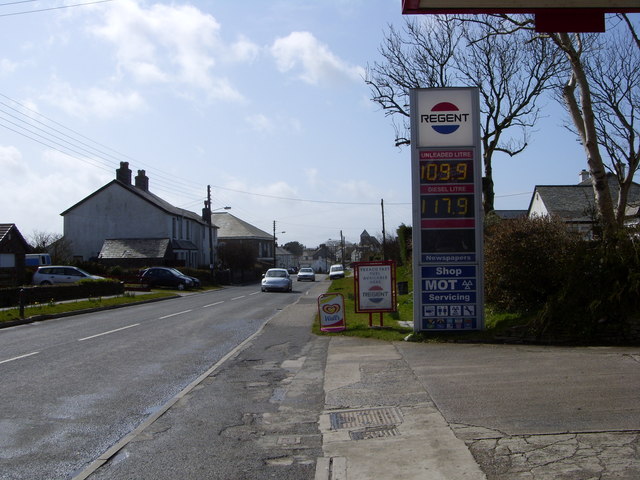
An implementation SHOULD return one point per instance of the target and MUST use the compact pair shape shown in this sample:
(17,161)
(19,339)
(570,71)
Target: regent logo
(331,308)
(445,118)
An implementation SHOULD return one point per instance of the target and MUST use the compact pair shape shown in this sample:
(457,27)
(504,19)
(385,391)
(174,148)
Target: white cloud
(92,101)
(316,64)
(7,66)
(260,123)
(39,194)
(172,43)
(11,162)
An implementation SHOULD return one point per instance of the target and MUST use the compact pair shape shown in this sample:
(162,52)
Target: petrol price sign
(447,198)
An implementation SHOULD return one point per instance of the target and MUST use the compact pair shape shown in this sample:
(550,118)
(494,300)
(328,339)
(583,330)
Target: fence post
(21,302)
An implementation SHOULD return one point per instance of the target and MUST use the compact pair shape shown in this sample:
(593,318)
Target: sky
(263,100)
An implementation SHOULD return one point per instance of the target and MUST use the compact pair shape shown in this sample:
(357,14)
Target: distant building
(575,204)
(125,224)
(13,248)
(237,233)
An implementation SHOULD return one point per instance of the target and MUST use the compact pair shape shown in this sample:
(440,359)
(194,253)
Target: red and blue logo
(445,118)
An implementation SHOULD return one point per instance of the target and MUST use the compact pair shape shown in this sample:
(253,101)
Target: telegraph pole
(384,237)
(209,222)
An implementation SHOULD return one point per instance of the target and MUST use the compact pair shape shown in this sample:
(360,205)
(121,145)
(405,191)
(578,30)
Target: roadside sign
(331,311)
(447,209)
(375,286)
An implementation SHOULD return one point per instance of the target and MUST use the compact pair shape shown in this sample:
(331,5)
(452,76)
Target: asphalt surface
(291,405)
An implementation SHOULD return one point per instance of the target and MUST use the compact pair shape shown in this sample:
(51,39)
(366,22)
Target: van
(37,259)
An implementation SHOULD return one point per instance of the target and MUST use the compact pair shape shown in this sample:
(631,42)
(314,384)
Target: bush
(525,262)
(599,298)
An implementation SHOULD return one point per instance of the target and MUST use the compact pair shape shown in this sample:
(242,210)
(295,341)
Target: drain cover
(370,417)
(374,432)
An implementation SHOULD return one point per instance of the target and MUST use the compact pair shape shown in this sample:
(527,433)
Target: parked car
(306,274)
(167,277)
(277,279)
(336,271)
(51,275)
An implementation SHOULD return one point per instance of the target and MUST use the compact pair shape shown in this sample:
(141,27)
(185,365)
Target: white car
(277,279)
(336,271)
(306,274)
(51,275)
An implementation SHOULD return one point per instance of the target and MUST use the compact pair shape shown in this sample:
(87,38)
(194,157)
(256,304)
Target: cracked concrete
(569,456)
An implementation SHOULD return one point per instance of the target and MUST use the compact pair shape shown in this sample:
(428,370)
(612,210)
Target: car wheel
(181,286)
(45,282)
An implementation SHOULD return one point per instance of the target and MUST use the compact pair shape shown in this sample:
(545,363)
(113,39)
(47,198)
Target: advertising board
(375,286)
(447,209)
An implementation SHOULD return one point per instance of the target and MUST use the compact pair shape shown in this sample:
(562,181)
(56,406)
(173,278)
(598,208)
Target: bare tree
(510,72)
(602,113)
(613,73)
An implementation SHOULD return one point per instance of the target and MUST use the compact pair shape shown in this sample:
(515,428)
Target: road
(73,387)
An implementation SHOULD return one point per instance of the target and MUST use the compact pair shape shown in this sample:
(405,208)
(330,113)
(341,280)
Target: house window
(7,260)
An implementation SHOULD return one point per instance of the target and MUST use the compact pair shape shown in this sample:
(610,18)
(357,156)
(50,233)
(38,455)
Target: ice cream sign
(331,311)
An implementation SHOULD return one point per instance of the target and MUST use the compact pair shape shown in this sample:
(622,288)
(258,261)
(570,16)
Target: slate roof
(576,202)
(7,228)
(231,227)
(146,195)
(510,214)
(134,248)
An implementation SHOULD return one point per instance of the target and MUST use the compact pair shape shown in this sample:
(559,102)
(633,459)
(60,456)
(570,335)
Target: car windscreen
(276,273)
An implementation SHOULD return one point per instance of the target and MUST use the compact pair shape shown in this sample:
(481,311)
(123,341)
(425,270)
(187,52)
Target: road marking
(19,357)
(174,314)
(213,304)
(238,298)
(107,333)
(255,293)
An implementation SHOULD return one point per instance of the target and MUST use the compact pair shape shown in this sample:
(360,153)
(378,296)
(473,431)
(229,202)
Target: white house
(575,204)
(126,221)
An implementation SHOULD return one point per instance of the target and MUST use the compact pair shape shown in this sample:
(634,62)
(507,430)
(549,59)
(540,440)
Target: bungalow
(575,204)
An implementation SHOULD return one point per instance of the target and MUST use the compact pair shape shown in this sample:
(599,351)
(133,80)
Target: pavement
(390,410)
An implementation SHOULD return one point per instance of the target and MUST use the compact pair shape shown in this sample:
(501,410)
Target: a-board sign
(375,286)
(447,209)
(331,312)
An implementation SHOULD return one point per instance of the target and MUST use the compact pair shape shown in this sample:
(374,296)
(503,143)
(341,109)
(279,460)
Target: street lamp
(274,243)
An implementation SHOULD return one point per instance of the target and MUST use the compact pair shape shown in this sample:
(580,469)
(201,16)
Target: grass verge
(397,326)
(54,308)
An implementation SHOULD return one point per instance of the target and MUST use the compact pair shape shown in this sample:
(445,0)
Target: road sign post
(446,166)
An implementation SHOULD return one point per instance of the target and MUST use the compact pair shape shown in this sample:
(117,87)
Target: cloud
(7,66)
(94,101)
(171,44)
(316,64)
(11,162)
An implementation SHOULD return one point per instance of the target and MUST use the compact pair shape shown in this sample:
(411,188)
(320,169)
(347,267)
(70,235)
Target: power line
(24,12)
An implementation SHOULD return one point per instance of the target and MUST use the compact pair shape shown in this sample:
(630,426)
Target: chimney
(585,176)
(123,174)
(142,181)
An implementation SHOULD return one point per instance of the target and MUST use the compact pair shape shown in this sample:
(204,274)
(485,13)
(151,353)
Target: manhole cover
(374,432)
(370,417)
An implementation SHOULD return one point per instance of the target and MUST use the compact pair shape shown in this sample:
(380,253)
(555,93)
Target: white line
(18,358)
(213,304)
(238,298)
(107,333)
(104,458)
(174,314)
(255,293)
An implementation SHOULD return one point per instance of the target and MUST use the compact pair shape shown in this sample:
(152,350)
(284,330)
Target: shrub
(525,262)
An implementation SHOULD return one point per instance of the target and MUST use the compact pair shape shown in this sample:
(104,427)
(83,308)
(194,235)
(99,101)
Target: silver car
(277,279)
(51,275)
(306,274)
